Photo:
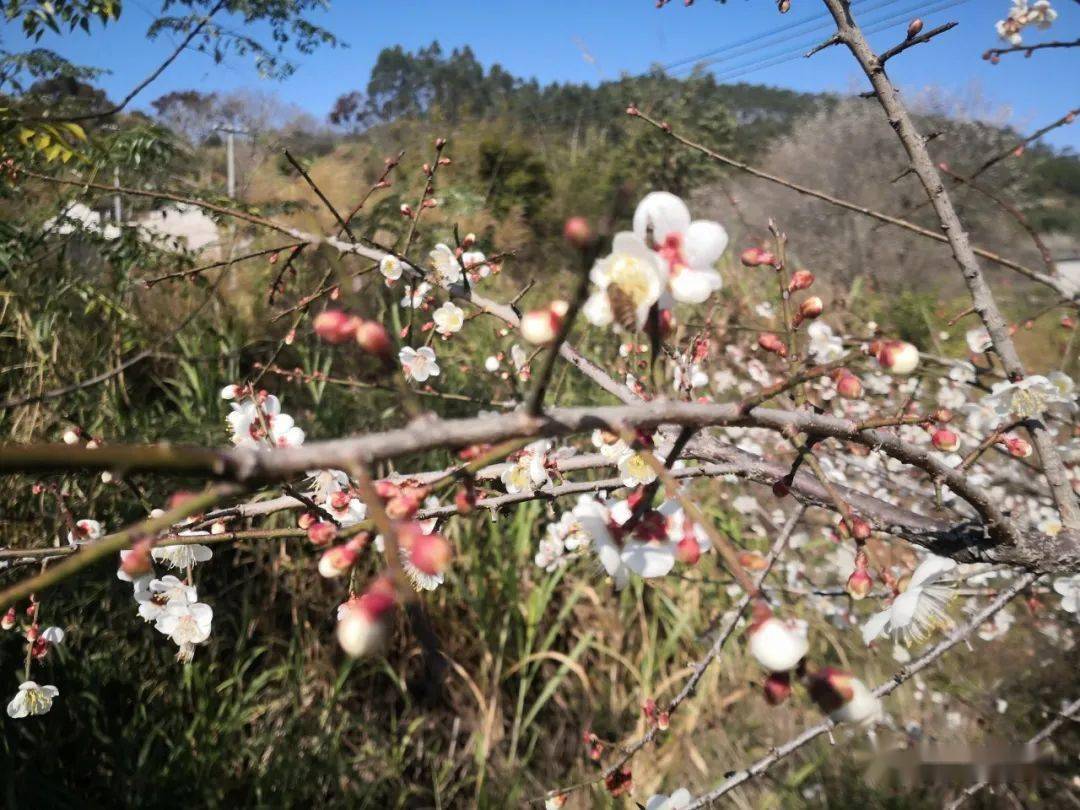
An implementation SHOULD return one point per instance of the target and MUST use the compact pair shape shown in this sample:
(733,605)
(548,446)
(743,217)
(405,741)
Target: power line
(778,57)
(759,39)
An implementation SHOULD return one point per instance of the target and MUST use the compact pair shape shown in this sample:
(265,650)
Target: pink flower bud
(849,386)
(334,326)
(9,619)
(465,500)
(321,533)
(541,326)
(136,561)
(756,257)
(406,210)
(752,561)
(914,27)
(577,232)
(362,621)
(440,143)
(663,721)
(1017,447)
(860,529)
(811,308)
(430,553)
(687,551)
(336,561)
(898,357)
(800,280)
(859,583)
(945,440)
(374,339)
(771,343)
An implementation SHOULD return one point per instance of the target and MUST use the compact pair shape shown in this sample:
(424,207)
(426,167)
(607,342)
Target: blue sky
(589,40)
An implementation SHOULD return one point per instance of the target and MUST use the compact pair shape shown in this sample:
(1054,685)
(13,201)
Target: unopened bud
(752,561)
(1017,447)
(541,326)
(914,27)
(321,533)
(468,241)
(860,529)
(71,436)
(578,232)
(849,386)
(859,583)
(771,343)
(465,500)
(898,357)
(336,561)
(945,440)
(406,210)
(136,561)
(811,308)
(334,326)
(440,143)
(687,551)
(756,257)
(374,339)
(800,280)
(8,621)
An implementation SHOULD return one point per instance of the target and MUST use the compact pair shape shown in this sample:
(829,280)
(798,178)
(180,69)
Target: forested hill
(455,86)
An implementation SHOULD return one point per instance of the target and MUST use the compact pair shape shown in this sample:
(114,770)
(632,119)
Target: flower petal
(663,213)
(705,242)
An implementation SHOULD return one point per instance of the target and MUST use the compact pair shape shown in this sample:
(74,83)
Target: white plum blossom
(679,800)
(160,593)
(610,446)
(421,580)
(259,422)
(920,609)
(85,531)
(449,318)
(565,535)
(688,250)
(1039,14)
(647,559)
(31,699)
(978,339)
(824,346)
(635,470)
(419,364)
(631,276)
(446,265)
(475,264)
(1069,590)
(391,268)
(414,298)
(187,624)
(1025,398)
(528,471)
(182,556)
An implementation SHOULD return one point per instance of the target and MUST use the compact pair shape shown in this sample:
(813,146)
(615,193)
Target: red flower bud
(334,326)
(687,551)
(945,440)
(321,533)
(800,280)
(771,343)
(577,232)
(756,257)
(374,339)
(849,386)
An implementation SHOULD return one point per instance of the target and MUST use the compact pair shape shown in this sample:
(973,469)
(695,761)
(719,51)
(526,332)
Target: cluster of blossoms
(31,698)
(169,603)
(1022,14)
(256,420)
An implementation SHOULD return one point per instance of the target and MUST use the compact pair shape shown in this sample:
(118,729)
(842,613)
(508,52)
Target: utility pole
(117,210)
(230,157)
